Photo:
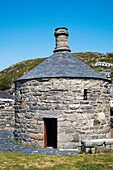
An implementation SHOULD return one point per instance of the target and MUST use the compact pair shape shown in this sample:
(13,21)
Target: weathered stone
(64,124)
(71,145)
(109,141)
(111,147)
(96,122)
(36,136)
(100,149)
(63,99)
(74,107)
(72,117)
(61,119)
(99,145)
(64,138)
(69,130)
(76,138)
(93,150)
(108,147)
(84,102)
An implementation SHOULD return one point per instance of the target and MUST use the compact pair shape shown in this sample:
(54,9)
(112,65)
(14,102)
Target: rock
(36,136)
(76,138)
(69,130)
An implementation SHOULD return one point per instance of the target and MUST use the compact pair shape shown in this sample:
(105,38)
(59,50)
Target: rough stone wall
(7,118)
(77,119)
(97,145)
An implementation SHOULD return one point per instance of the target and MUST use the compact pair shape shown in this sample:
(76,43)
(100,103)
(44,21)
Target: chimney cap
(61,28)
(61,31)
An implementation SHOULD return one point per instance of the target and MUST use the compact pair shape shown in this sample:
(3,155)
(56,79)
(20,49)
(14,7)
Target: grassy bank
(17,161)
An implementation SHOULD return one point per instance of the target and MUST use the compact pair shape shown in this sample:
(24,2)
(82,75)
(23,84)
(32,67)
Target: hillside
(9,75)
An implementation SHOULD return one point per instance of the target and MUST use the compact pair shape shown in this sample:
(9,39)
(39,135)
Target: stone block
(100,149)
(112,147)
(41,128)
(69,130)
(109,141)
(25,136)
(96,122)
(98,143)
(71,145)
(87,150)
(28,116)
(74,106)
(72,117)
(84,102)
(61,119)
(64,138)
(36,136)
(7,125)
(69,111)
(93,150)
(108,147)
(92,143)
(75,138)
(64,124)
(33,130)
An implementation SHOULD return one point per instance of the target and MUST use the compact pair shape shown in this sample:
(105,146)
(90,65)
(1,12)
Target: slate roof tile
(62,65)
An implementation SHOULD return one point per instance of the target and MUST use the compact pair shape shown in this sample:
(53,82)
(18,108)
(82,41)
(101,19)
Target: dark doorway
(50,132)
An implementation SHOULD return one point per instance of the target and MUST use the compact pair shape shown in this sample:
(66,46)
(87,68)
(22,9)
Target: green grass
(17,161)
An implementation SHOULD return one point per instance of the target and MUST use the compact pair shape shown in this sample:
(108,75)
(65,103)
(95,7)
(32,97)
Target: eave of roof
(60,65)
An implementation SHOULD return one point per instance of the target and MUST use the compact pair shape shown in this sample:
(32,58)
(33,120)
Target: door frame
(46,120)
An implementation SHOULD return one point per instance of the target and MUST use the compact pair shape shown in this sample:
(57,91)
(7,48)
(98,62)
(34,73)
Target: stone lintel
(49,114)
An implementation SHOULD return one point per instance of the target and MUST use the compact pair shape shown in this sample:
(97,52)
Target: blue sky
(27,27)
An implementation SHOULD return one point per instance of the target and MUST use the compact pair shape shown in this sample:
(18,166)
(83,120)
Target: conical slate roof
(62,65)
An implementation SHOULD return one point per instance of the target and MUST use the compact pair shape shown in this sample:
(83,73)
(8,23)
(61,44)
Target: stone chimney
(61,35)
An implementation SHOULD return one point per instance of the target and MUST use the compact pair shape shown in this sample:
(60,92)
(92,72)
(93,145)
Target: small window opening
(111,112)
(85,94)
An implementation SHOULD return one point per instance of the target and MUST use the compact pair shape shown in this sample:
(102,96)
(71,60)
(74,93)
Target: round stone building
(61,101)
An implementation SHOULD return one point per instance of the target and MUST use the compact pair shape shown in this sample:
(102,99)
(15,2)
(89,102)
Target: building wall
(7,117)
(77,119)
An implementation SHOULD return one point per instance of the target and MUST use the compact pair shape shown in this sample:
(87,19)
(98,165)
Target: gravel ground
(8,144)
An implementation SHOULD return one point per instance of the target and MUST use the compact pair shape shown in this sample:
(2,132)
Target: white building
(103,64)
